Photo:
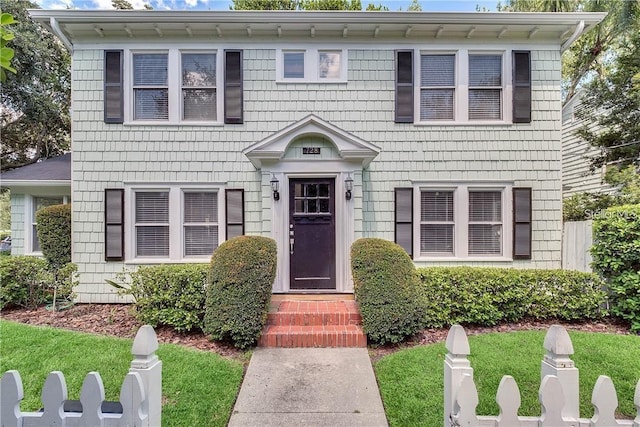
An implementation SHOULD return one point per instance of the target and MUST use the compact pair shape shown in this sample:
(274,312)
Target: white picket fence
(140,394)
(558,391)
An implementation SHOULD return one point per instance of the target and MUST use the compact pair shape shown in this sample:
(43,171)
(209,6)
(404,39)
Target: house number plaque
(310,150)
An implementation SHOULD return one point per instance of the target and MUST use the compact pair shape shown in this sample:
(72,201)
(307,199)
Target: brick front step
(314,313)
(333,323)
(313,336)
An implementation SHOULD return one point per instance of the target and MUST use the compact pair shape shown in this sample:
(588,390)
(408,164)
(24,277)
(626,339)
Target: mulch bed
(114,320)
(117,320)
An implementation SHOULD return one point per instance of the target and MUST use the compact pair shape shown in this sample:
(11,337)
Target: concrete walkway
(309,387)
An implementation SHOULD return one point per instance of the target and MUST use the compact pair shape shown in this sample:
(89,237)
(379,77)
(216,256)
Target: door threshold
(312,296)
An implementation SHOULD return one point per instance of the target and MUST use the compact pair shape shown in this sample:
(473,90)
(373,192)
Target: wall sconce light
(348,185)
(275,184)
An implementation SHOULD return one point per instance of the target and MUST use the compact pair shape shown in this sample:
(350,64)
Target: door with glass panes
(312,243)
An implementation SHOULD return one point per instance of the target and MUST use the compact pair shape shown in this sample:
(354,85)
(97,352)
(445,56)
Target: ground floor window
(468,221)
(175,223)
(462,221)
(38,203)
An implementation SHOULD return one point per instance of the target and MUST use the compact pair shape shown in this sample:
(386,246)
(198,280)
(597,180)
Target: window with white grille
(152,223)
(151,86)
(200,223)
(174,86)
(437,87)
(437,222)
(464,221)
(173,223)
(199,87)
(37,204)
(463,86)
(485,223)
(485,87)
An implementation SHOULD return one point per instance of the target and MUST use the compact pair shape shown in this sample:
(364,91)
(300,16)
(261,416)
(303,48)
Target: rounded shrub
(169,295)
(54,232)
(25,281)
(241,278)
(387,290)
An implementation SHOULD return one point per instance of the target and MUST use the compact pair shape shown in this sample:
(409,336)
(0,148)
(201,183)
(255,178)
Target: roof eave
(317,17)
(30,183)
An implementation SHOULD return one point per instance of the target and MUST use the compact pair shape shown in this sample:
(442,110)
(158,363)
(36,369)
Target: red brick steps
(313,324)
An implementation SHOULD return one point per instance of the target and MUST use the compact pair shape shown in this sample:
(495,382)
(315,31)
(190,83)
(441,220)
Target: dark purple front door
(312,233)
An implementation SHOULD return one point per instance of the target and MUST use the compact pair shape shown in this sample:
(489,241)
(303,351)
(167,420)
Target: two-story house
(440,131)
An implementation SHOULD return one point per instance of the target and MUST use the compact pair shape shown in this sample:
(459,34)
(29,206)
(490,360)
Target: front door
(312,233)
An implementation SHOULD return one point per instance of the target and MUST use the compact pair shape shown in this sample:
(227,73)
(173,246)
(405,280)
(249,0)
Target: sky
(427,5)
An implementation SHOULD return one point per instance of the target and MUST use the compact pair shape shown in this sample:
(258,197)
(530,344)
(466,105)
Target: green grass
(199,388)
(411,381)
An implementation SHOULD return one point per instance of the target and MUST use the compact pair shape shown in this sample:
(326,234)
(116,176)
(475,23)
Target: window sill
(460,259)
(309,81)
(170,124)
(145,261)
(460,123)
(37,254)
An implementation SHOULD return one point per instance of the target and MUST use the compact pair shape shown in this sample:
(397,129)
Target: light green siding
(109,155)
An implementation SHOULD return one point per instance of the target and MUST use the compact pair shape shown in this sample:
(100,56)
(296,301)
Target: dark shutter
(404,219)
(113,89)
(233,86)
(521,86)
(522,223)
(404,86)
(234,208)
(114,224)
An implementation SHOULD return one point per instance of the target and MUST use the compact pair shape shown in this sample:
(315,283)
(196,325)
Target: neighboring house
(440,131)
(35,186)
(577,174)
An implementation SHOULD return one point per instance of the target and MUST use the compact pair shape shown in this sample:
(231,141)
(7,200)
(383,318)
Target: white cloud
(103,4)
(59,4)
(191,3)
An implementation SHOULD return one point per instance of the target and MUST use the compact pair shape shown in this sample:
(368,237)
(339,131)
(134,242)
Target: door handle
(291,239)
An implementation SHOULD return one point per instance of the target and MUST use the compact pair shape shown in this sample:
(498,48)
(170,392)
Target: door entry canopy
(349,146)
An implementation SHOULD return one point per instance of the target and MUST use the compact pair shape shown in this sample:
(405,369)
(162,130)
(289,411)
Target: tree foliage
(590,53)
(303,5)
(34,118)
(616,97)
(6,52)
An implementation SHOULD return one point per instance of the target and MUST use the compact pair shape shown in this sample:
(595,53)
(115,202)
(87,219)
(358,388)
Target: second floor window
(461,87)
(199,86)
(151,86)
(437,87)
(175,86)
(485,87)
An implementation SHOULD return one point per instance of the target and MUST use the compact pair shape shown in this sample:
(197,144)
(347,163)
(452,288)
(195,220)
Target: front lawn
(198,388)
(411,381)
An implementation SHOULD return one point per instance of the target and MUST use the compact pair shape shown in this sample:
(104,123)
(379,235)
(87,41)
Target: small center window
(312,66)
(329,65)
(293,65)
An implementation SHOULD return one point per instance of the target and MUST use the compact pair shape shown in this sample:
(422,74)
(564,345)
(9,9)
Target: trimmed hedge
(170,295)
(25,281)
(487,296)
(54,232)
(242,273)
(387,290)
(616,256)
